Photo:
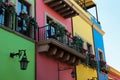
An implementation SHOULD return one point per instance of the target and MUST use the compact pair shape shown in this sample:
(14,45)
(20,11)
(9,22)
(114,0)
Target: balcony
(91,61)
(103,67)
(58,43)
(25,25)
(85,4)
(22,24)
(62,7)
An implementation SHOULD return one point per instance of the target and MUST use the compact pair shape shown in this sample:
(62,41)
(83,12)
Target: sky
(109,17)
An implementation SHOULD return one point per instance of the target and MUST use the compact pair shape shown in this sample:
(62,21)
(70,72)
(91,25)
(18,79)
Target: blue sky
(109,16)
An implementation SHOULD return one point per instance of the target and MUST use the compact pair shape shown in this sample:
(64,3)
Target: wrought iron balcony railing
(90,61)
(58,43)
(23,23)
(6,16)
(62,35)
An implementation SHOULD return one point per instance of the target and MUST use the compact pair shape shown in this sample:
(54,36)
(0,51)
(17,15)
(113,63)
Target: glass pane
(25,9)
(22,7)
(19,8)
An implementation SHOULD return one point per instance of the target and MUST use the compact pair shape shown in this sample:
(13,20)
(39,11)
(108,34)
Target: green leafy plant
(104,69)
(93,63)
(10,8)
(78,43)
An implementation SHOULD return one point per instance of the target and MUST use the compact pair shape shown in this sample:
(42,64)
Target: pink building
(55,58)
(113,74)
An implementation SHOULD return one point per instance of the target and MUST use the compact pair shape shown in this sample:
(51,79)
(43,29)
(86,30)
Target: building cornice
(84,15)
(114,71)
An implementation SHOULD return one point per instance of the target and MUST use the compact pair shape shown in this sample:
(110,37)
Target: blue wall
(99,44)
(96,22)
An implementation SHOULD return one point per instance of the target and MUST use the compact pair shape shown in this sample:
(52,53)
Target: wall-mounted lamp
(23,62)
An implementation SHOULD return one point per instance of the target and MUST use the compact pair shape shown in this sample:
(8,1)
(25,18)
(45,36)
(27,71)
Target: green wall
(10,67)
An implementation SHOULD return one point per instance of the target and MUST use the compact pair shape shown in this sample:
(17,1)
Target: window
(89,48)
(55,30)
(50,28)
(100,55)
(23,7)
(23,16)
(2,12)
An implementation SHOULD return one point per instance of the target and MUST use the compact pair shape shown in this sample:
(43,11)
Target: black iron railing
(25,25)
(22,23)
(6,18)
(61,35)
(50,31)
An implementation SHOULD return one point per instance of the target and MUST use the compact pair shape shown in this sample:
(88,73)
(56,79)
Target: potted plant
(102,63)
(10,8)
(104,69)
(93,63)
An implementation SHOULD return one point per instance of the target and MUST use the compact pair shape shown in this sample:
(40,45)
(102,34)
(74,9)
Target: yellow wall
(85,73)
(84,30)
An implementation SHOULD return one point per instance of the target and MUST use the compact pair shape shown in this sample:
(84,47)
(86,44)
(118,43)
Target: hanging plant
(102,63)
(104,69)
(93,63)
(91,55)
(62,30)
(1,7)
(10,8)
(24,15)
(78,44)
(32,21)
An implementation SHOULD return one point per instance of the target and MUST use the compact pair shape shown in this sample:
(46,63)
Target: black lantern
(23,62)
(73,74)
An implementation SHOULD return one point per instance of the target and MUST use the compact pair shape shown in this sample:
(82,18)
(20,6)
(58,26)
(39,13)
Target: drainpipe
(96,13)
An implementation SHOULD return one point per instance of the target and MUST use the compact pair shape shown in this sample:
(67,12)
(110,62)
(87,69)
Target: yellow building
(83,28)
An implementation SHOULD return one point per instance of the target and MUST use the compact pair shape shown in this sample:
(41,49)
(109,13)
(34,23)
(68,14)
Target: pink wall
(47,67)
(114,76)
(42,8)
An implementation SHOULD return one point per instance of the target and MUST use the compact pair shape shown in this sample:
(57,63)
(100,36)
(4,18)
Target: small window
(50,29)
(24,26)
(55,30)
(23,7)
(89,48)
(5,15)
(100,55)
(22,11)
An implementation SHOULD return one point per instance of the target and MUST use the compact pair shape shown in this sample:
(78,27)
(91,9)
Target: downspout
(96,13)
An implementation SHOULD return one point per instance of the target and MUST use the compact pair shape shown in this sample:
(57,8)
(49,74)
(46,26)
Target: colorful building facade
(64,46)
(56,60)
(17,45)
(99,49)
(83,30)
(113,74)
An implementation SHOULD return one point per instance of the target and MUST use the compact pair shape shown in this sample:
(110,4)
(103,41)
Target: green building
(17,36)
